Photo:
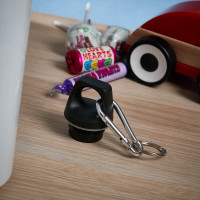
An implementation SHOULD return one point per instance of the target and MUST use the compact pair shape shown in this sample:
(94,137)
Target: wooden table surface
(49,164)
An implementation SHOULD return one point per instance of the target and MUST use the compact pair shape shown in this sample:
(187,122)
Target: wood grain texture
(185,53)
(50,165)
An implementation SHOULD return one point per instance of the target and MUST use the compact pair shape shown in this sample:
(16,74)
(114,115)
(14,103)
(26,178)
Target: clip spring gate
(135,146)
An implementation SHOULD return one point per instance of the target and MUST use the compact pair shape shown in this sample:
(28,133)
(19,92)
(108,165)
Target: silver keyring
(162,151)
(133,145)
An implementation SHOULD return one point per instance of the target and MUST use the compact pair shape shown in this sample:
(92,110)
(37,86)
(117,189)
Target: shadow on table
(185,86)
(61,65)
(54,41)
(54,121)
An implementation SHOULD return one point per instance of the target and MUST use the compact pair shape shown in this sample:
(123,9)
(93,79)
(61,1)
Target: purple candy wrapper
(65,88)
(106,74)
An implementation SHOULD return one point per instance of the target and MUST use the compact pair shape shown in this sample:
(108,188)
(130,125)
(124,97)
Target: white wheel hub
(139,71)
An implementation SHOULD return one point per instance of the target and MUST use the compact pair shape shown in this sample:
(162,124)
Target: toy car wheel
(151,60)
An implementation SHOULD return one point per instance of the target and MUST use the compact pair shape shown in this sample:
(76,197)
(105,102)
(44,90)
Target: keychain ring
(162,151)
(138,149)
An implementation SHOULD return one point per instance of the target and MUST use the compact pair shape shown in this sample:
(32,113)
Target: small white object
(87,12)
(61,25)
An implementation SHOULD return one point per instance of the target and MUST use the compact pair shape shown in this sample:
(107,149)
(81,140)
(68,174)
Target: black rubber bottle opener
(89,118)
(85,124)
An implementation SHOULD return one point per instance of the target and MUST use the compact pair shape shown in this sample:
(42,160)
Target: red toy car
(166,43)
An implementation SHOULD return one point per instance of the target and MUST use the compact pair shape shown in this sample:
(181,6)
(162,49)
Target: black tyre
(151,60)
(198,84)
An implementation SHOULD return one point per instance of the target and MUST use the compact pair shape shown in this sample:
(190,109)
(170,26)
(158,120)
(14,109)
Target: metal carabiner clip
(135,146)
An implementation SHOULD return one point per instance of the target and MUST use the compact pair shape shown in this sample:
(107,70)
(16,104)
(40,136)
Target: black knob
(85,124)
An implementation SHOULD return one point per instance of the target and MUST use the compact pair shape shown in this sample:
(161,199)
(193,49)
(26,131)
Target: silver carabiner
(135,146)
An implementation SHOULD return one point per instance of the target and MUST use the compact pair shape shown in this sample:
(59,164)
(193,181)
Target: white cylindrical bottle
(14,29)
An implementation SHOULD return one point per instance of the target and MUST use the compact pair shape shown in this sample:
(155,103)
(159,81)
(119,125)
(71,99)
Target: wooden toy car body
(176,34)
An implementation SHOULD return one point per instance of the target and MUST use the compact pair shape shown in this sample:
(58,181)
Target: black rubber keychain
(88,118)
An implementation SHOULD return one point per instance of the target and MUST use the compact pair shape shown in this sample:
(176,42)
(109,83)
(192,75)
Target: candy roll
(106,74)
(85,59)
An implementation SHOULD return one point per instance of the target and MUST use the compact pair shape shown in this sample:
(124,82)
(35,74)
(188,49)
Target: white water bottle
(14,29)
